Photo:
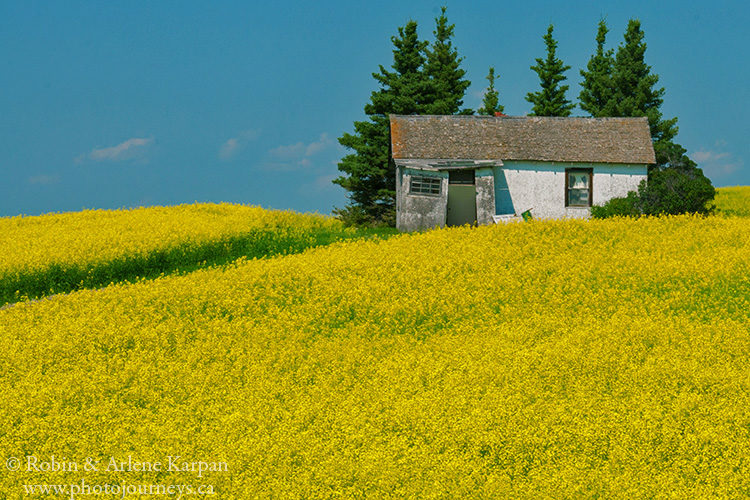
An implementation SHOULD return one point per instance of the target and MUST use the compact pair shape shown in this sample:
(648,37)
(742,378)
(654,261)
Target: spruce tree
(676,184)
(405,90)
(490,102)
(368,175)
(550,101)
(634,87)
(443,68)
(596,94)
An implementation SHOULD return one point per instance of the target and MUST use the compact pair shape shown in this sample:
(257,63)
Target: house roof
(587,140)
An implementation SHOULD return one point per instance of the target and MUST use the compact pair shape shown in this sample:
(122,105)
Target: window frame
(578,170)
(431,181)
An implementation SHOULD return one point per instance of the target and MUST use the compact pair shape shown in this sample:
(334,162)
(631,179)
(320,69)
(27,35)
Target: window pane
(579,188)
(578,180)
(578,197)
(425,185)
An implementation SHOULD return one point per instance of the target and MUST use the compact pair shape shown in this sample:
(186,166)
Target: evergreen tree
(368,176)
(443,69)
(407,89)
(676,185)
(490,102)
(550,101)
(596,95)
(634,92)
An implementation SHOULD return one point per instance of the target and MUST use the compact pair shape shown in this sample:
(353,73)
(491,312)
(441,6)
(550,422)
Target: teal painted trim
(549,165)
(503,200)
(425,173)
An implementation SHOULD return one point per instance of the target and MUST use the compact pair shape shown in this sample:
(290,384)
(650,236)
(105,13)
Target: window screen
(425,185)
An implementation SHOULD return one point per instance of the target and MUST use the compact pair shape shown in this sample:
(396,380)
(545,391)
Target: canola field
(55,253)
(551,359)
(733,201)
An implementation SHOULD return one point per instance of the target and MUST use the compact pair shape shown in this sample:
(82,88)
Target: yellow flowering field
(553,359)
(61,252)
(734,200)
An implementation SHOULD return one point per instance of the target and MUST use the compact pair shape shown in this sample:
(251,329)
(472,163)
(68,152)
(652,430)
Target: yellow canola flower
(95,236)
(734,200)
(552,359)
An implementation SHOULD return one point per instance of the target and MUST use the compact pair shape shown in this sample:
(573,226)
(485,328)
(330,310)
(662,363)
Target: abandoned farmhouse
(454,170)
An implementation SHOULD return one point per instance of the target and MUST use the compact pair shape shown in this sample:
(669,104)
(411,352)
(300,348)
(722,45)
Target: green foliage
(634,86)
(676,185)
(406,90)
(675,190)
(370,179)
(490,103)
(443,69)
(596,94)
(671,154)
(353,216)
(424,80)
(625,86)
(369,176)
(628,206)
(550,101)
(356,216)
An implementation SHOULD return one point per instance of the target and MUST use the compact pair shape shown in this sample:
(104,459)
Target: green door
(462,198)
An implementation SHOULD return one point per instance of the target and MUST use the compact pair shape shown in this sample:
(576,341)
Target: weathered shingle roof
(589,140)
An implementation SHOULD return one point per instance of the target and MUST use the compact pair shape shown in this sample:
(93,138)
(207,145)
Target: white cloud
(229,148)
(320,184)
(298,154)
(128,150)
(234,145)
(709,156)
(715,162)
(289,152)
(316,147)
(43,179)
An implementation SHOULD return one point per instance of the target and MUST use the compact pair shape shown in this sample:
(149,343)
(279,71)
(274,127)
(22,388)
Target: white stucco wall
(540,186)
(485,185)
(419,211)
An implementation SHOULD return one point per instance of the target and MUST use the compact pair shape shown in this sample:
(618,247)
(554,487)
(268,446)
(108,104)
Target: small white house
(454,170)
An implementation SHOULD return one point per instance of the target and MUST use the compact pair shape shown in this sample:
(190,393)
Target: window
(461,177)
(578,189)
(425,185)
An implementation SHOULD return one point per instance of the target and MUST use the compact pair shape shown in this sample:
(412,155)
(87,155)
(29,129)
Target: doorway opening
(462,198)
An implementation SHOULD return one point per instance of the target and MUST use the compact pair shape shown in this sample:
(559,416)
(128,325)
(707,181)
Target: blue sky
(121,104)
